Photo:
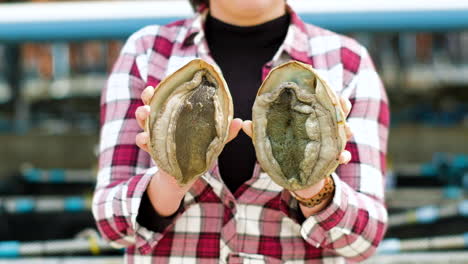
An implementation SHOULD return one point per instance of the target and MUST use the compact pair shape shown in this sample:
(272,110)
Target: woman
(234,213)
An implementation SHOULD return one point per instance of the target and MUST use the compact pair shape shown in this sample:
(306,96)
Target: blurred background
(54,59)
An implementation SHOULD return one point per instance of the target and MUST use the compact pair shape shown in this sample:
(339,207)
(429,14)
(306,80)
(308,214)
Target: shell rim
(331,94)
(201,65)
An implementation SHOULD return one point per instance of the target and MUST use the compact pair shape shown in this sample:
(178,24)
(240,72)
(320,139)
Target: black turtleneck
(241,52)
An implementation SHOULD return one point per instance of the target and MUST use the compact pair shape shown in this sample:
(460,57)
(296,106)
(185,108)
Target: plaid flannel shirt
(261,222)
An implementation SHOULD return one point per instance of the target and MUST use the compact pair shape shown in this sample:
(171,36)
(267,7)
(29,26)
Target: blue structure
(77,21)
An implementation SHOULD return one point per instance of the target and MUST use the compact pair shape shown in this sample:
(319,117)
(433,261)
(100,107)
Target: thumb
(234,128)
(247,127)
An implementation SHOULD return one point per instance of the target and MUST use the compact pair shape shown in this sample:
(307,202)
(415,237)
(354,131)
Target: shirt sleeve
(153,221)
(124,169)
(355,222)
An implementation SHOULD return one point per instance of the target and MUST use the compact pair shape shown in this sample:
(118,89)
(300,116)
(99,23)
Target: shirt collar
(195,29)
(296,43)
(295,46)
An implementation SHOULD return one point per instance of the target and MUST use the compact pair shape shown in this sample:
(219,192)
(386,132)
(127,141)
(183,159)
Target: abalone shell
(191,110)
(298,126)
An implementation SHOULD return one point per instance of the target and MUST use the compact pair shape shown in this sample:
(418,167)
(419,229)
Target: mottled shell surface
(298,126)
(188,125)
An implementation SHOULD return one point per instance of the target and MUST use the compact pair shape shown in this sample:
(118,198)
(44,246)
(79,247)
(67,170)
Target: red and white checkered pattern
(260,223)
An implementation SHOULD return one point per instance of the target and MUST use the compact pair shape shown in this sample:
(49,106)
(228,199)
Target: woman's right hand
(163,190)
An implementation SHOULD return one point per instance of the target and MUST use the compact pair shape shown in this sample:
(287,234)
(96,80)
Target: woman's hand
(344,158)
(163,190)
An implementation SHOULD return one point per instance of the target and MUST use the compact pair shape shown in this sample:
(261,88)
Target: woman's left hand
(344,158)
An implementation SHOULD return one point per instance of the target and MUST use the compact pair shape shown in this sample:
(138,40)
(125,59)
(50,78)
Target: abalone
(298,126)
(191,111)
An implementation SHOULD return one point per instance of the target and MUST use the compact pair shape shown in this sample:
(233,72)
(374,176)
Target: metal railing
(104,20)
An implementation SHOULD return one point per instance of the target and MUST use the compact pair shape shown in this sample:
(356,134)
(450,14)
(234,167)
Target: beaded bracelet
(326,191)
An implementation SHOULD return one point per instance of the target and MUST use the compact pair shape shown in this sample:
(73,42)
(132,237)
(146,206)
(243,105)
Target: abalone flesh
(298,126)
(191,111)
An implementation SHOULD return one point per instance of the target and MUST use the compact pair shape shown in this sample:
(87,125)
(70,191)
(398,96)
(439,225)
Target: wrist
(312,190)
(169,185)
(315,198)
(165,194)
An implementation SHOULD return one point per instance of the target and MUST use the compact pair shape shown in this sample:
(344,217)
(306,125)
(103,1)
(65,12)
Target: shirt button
(231,204)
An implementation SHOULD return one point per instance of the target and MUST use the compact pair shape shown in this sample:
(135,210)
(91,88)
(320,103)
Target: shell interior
(298,131)
(188,124)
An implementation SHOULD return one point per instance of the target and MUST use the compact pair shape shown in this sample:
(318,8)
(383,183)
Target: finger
(349,133)
(147,94)
(247,127)
(142,140)
(142,114)
(234,128)
(345,157)
(345,105)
